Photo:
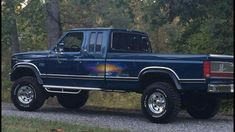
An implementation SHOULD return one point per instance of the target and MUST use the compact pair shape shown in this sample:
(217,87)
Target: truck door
(121,71)
(80,63)
(64,64)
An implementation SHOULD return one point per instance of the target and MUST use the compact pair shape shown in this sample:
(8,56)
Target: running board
(67,89)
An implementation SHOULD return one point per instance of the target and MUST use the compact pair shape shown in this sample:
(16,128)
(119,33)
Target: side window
(92,42)
(130,42)
(99,42)
(95,42)
(121,41)
(73,42)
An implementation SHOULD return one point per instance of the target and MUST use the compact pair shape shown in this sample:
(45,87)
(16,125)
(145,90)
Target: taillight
(206,68)
(218,69)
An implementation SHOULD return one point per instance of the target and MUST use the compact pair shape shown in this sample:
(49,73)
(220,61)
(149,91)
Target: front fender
(17,67)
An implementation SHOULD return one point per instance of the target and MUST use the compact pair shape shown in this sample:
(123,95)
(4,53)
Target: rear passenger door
(121,61)
(93,60)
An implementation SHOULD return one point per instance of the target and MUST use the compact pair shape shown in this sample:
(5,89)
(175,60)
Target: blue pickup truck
(118,60)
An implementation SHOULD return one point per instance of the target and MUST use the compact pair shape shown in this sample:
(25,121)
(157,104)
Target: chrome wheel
(25,94)
(157,103)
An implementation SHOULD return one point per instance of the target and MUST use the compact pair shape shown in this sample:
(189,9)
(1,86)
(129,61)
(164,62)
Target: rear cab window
(130,42)
(95,42)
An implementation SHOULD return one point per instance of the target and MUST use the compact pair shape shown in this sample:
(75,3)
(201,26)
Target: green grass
(226,107)
(19,124)
(6,89)
(114,100)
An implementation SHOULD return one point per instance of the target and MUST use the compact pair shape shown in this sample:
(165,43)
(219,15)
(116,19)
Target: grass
(6,89)
(227,107)
(114,100)
(19,124)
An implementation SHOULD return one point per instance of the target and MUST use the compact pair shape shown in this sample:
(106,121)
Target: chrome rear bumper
(220,88)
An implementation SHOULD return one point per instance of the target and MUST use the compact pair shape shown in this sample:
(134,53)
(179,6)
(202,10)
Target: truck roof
(107,28)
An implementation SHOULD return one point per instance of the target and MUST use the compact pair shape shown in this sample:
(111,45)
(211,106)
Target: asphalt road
(125,120)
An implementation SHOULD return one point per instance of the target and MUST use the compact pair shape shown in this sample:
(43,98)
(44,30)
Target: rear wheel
(203,106)
(160,102)
(27,94)
(73,101)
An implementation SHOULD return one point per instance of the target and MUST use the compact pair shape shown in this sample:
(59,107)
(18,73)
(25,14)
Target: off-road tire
(172,106)
(38,92)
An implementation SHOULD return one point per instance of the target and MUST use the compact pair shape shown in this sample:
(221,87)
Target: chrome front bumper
(220,88)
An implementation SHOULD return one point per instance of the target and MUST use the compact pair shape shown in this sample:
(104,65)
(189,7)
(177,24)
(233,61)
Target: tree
(206,25)
(95,13)
(32,26)
(53,22)
(14,41)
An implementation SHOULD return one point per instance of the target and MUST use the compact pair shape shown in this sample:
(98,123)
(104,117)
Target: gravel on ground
(124,120)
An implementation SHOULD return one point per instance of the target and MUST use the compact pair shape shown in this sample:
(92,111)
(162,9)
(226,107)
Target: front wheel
(160,102)
(203,107)
(27,94)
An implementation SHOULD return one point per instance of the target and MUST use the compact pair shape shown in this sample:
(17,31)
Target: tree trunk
(53,22)
(15,44)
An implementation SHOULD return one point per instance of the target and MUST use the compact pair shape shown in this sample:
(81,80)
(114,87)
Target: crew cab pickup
(109,59)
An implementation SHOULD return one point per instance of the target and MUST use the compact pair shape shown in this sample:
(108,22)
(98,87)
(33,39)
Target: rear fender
(161,71)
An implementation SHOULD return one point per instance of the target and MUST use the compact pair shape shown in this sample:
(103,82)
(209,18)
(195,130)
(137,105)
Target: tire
(172,102)
(27,94)
(203,107)
(73,101)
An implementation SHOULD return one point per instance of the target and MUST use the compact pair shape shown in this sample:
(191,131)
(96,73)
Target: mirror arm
(57,56)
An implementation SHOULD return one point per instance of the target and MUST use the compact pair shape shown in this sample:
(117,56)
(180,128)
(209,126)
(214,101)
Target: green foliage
(6,83)
(207,25)
(30,23)
(32,32)
(98,13)
(20,124)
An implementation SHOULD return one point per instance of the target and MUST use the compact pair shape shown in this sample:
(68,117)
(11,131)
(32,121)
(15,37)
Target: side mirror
(84,52)
(60,47)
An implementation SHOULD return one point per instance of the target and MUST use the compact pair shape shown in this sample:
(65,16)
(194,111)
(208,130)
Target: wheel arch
(150,75)
(25,70)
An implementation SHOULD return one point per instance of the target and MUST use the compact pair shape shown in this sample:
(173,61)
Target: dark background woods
(183,26)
